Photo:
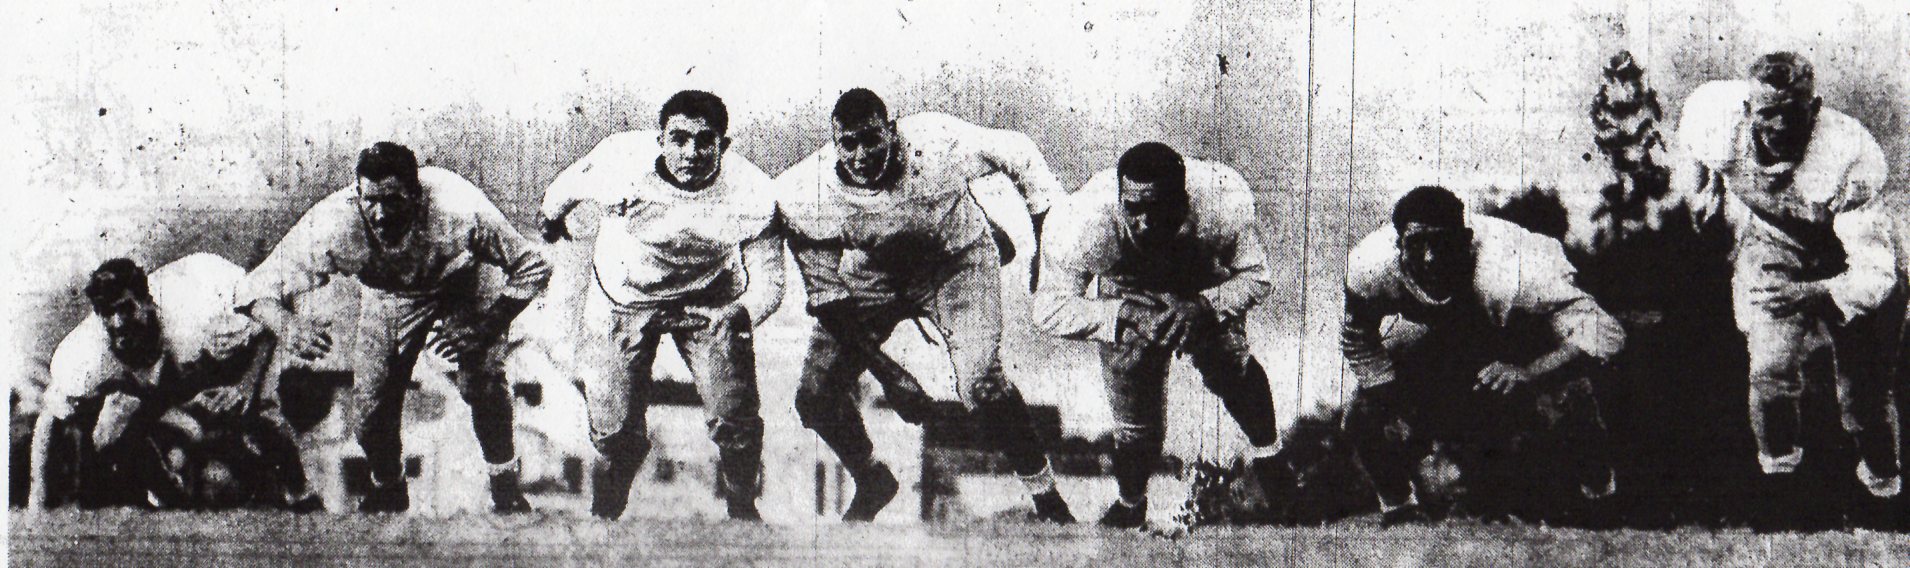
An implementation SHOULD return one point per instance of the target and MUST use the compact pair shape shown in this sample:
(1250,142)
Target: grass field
(143,539)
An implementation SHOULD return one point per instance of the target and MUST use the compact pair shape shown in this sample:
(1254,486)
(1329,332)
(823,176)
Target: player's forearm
(1870,262)
(1360,343)
(557,205)
(272,314)
(565,193)
(1234,297)
(528,272)
(1063,309)
(1547,365)
(763,261)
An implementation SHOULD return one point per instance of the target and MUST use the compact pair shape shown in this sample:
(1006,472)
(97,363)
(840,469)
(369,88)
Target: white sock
(495,469)
(1878,486)
(1773,465)
(1258,453)
(1412,500)
(1041,482)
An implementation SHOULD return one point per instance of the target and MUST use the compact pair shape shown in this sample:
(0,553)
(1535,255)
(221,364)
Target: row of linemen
(1453,322)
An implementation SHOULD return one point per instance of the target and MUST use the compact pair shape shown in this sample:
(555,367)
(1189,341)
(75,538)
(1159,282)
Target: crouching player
(670,260)
(884,229)
(162,379)
(1470,333)
(413,237)
(1180,264)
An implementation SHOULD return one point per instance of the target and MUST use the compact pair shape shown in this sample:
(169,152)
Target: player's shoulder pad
(200,266)
(80,360)
(1842,138)
(1371,259)
(198,274)
(1219,188)
(454,194)
(933,120)
(1709,119)
(1075,212)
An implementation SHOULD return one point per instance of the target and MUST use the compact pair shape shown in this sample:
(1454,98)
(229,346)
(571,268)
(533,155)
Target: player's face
(1781,118)
(864,148)
(389,205)
(1439,259)
(1153,213)
(132,327)
(692,151)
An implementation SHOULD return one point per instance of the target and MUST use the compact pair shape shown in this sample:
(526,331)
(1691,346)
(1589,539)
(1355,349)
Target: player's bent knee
(737,433)
(1773,379)
(990,394)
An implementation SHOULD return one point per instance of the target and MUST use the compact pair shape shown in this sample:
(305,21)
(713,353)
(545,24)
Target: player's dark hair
(1429,205)
(115,278)
(1785,71)
(1155,163)
(696,104)
(387,159)
(857,105)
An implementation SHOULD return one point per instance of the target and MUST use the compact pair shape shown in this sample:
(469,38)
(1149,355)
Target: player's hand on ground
(1789,298)
(1502,378)
(306,340)
(554,229)
(220,400)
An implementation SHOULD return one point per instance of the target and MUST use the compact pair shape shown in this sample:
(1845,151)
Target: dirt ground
(144,539)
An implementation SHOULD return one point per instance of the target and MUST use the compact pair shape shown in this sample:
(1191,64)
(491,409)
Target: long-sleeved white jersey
(659,242)
(460,226)
(1830,200)
(926,211)
(199,333)
(1217,253)
(1520,275)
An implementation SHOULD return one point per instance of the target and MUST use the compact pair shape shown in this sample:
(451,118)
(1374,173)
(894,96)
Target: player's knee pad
(737,434)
